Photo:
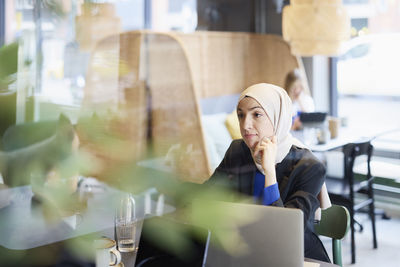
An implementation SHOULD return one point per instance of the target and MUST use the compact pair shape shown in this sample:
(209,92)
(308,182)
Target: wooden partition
(226,63)
(153,93)
(113,124)
(176,121)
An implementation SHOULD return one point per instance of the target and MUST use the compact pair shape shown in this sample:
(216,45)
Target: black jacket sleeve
(227,171)
(306,178)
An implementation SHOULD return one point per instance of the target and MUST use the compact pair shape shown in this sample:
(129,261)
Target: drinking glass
(126,223)
(310,136)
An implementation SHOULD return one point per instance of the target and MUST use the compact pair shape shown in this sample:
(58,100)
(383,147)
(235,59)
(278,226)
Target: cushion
(212,153)
(216,136)
(219,104)
(232,124)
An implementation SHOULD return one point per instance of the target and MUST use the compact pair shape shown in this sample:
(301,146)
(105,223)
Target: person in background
(301,100)
(271,165)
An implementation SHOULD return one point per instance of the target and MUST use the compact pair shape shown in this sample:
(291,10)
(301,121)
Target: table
(23,225)
(24,228)
(346,135)
(321,263)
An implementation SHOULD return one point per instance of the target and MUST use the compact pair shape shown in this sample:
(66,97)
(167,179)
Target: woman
(301,100)
(271,165)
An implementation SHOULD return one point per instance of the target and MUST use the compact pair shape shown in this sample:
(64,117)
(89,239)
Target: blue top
(269,194)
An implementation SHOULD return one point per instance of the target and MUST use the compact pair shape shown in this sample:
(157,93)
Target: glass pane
(367,70)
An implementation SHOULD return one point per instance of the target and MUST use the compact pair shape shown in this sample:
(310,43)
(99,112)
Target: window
(367,71)
(356,52)
(58,38)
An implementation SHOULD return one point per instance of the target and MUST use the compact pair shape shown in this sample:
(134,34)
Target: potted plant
(8,75)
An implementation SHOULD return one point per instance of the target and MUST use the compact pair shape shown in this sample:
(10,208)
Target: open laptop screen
(312,117)
(274,238)
(164,242)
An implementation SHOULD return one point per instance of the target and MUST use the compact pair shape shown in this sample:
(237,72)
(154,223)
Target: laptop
(274,238)
(312,117)
(166,242)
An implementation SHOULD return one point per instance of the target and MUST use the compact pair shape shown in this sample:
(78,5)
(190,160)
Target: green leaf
(8,60)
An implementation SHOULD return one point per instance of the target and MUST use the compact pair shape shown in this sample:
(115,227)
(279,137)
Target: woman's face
(254,122)
(295,90)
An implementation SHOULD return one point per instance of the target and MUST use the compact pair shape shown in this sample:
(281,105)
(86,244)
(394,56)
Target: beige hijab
(278,106)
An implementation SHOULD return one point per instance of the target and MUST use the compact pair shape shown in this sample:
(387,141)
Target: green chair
(335,222)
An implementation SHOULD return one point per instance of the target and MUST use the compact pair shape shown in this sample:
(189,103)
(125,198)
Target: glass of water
(126,223)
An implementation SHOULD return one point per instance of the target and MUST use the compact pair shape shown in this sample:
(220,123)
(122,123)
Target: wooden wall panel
(227,62)
(175,112)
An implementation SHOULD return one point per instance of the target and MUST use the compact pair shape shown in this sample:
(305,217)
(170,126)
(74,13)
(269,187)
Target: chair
(342,191)
(148,79)
(175,112)
(334,223)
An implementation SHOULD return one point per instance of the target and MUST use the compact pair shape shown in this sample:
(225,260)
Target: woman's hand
(297,125)
(266,151)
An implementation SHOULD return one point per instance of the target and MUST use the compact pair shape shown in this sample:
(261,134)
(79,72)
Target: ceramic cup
(334,125)
(106,252)
(323,136)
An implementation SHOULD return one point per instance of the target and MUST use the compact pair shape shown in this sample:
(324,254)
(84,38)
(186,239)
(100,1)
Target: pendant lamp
(97,21)
(315,27)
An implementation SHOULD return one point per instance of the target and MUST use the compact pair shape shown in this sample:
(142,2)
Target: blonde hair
(292,77)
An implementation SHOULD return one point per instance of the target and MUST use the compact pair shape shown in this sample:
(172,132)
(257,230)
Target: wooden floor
(388,252)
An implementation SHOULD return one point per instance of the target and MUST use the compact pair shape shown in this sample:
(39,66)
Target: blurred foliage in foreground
(8,64)
(96,147)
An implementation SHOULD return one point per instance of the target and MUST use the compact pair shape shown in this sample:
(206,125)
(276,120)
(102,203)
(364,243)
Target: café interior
(114,115)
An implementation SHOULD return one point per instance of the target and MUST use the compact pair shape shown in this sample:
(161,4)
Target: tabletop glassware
(106,253)
(126,224)
(309,136)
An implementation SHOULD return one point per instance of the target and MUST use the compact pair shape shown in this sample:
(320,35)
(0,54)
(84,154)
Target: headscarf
(278,106)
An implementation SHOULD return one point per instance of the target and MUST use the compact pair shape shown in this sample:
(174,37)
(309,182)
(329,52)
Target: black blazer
(300,176)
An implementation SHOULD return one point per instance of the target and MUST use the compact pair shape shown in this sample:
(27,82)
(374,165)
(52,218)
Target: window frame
(2,22)
(333,90)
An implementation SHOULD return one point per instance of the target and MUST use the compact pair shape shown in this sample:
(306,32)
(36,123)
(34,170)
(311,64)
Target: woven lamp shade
(97,21)
(315,27)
